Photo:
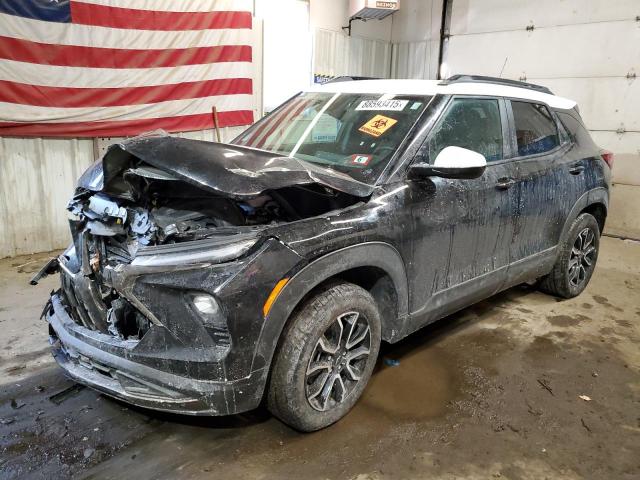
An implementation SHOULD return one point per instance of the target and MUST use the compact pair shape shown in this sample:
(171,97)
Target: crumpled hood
(235,171)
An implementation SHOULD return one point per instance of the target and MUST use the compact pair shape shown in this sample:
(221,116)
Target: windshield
(355,134)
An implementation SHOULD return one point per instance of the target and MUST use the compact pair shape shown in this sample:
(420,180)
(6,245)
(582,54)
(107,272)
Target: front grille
(108,313)
(73,306)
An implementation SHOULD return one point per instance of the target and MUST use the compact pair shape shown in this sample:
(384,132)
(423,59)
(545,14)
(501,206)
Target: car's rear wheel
(576,260)
(326,356)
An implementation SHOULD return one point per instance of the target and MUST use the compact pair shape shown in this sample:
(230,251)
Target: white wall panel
(37,177)
(417,21)
(475,16)
(336,54)
(574,51)
(417,60)
(624,211)
(287,49)
(416,39)
(626,148)
(606,103)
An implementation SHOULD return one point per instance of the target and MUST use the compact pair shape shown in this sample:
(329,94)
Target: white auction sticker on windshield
(393,105)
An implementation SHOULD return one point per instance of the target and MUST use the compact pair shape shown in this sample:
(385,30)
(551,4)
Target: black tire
(560,281)
(292,386)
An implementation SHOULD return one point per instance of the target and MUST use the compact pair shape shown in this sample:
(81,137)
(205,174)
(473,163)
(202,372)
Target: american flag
(88,68)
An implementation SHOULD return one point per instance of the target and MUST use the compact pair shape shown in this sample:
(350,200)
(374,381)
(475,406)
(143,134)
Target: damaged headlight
(218,250)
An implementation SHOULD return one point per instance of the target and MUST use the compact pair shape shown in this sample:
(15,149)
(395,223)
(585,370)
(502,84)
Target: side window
(576,129)
(536,131)
(472,123)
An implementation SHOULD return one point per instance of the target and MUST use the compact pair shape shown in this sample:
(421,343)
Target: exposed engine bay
(146,206)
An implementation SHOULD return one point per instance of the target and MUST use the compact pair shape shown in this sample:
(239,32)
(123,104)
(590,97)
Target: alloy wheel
(338,360)
(582,258)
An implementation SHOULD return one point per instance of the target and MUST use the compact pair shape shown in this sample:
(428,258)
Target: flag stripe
(129,18)
(79,77)
(179,6)
(65,97)
(104,37)
(79,56)
(128,127)
(12,112)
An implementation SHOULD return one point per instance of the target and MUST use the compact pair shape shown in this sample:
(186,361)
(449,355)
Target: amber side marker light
(272,296)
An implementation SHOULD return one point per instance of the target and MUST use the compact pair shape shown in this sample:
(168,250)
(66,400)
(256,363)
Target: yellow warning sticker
(378,125)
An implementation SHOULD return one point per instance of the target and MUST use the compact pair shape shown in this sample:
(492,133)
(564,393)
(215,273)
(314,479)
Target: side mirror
(452,162)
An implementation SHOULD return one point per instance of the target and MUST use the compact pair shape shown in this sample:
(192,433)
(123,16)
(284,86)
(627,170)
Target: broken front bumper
(181,363)
(99,361)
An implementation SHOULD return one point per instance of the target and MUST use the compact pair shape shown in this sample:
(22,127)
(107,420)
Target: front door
(462,229)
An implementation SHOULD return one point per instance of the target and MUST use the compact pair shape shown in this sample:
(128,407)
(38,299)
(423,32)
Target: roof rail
(495,80)
(348,78)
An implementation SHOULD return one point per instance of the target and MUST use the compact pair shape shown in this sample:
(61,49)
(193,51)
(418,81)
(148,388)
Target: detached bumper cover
(99,361)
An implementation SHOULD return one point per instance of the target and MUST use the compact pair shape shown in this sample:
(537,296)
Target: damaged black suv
(205,277)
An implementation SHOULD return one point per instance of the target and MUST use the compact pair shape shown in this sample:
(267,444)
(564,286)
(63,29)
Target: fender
(596,195)
(369,254)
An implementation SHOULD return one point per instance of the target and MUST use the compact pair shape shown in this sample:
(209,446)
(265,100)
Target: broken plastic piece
(47,269)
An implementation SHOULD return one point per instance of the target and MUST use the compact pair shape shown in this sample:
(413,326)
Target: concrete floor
(492,392)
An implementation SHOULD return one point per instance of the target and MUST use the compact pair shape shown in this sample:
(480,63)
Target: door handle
(504,183)
(576,169)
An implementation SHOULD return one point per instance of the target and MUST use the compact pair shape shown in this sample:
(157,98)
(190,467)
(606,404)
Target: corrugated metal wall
(587,51)
(36,180)
(336,54)
(415,34)
(415,60)
(37,177)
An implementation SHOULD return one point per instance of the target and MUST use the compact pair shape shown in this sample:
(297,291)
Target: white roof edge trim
(431,87)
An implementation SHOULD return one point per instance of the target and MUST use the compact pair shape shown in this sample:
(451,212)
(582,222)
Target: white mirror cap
(458,157)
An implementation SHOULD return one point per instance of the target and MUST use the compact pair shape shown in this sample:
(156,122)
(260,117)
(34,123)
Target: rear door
(547,183)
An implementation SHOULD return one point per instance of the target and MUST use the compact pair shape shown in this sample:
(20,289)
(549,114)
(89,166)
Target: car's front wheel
(576,260)
(326,356)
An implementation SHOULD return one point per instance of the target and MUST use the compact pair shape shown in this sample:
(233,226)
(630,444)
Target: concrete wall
(585,50)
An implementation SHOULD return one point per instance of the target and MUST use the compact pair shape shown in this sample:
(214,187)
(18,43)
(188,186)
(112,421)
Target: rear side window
(536,131)
(577,132)
(472,123)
